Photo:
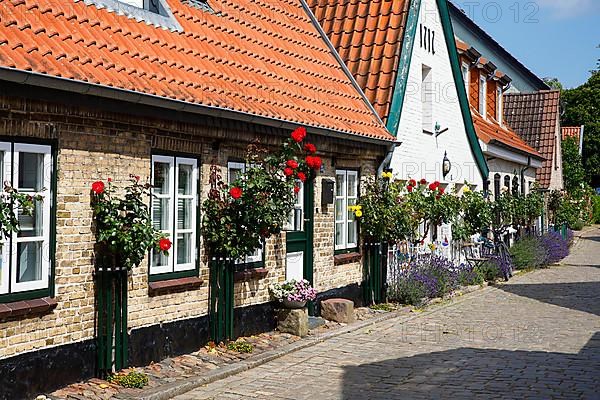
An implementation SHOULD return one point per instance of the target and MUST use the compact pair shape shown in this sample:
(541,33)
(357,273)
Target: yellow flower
(387,175)
(352,208)
(466,189)
(358,207)
(358,213)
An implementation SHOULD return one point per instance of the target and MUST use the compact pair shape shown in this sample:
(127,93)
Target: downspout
(385,164)
(581,141)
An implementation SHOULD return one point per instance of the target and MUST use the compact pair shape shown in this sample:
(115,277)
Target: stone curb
(168,391)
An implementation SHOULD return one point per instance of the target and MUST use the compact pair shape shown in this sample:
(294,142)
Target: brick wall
(94,144)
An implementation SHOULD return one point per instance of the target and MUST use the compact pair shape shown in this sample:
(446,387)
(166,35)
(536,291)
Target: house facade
(513,163)
(109,89)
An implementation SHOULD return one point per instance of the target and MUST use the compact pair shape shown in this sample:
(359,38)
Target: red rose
(423,181)
(302,176)
(314,162)
(98,187)
(409,188)
(412,182)
(137,178)
(235,192)
(296,189)
(437,184)
(299,134)
(164,244)
(311,148)
(288,171)
(110,179)
(292,164)
(438,196)
(432,186)
(442,190)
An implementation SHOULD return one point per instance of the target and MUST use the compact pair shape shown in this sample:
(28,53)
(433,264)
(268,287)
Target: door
(299,243)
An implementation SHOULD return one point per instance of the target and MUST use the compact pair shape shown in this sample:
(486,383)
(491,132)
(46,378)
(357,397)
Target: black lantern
(446,165)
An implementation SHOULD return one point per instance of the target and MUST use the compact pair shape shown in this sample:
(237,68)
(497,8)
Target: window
(497,186)
(174,213)
(515,186)
(152,12)
(499,105)
(234,171)
(507,183)
(427,99)
(346,195)
(465,74)
(25,258)
(482,93)
(296,218)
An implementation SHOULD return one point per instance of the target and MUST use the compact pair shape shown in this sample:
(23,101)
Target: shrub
(495,268)
(240,346)
(596,211)
(133,379)
(528,252)
(555,246)
(468,275)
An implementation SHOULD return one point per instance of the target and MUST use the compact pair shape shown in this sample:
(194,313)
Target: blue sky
(556,38)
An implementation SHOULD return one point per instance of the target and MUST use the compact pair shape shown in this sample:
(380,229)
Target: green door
(299,260)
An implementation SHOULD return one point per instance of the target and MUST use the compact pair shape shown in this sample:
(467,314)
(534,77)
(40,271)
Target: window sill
(25,308)
(250,274)
(174,285)
(347,258)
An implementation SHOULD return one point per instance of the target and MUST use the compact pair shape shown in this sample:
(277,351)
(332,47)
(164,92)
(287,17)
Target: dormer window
(152,12)
(482,93)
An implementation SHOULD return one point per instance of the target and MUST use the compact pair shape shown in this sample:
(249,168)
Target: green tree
(554,83)
(573,171)
(582,107)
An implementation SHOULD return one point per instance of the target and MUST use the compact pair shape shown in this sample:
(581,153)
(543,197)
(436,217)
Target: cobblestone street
(537,337)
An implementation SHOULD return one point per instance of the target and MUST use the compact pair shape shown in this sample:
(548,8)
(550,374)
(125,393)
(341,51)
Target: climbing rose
(412,183)
(299,134)
(296,189)
(409,188)
(302,176)
(110,179)
(423,181)
(235,192)
(314,162)
(432,186)
(288,171)
(292,164)
(311,148)
(164,244)
(442,190)
(98,187)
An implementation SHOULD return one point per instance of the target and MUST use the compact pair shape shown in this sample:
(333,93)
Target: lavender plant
(556,247)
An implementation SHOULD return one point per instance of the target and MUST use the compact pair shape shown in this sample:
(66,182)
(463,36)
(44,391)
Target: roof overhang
(499,150)
(92,89)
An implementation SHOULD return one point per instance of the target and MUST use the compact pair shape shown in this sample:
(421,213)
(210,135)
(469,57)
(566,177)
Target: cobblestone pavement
(537,337)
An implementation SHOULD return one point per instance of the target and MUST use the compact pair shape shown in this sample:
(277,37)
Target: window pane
(161,178)
(160,213)
(339,233)
(159,259)
(185,179)
(234,173)
(351,202)
(352,232)
(31,225)
(184,248)
(339,210)
(339,185)
(31,172)
(184,214)
(351,185)
(29,261)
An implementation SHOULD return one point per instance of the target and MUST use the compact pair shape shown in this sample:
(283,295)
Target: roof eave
(92,89)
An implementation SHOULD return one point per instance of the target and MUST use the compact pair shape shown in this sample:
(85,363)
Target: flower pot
(293,304)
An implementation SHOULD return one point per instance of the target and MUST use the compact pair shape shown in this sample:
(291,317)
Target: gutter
(130,96)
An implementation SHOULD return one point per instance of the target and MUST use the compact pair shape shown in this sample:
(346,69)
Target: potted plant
(293,293)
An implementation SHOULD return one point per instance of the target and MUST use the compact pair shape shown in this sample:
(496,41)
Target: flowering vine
(11,200)
(239,216)
(123,224)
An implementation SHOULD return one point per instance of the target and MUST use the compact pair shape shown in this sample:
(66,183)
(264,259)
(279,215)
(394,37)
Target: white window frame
(466,73)
(344,217)
(44,238)
(482,95)
(173,195)
(5,176)
(258,255)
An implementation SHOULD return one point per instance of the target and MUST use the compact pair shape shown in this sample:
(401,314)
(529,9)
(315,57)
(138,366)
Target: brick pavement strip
(536,337)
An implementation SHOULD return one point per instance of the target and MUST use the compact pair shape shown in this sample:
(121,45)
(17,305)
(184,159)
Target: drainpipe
(385,164)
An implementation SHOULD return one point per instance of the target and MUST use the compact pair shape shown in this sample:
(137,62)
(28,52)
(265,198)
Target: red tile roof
(261,57)
(490,131)
(535,117)
(571,131)
(368,36)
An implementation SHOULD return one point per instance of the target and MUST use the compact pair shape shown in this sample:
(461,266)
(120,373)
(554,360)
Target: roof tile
(262,57)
